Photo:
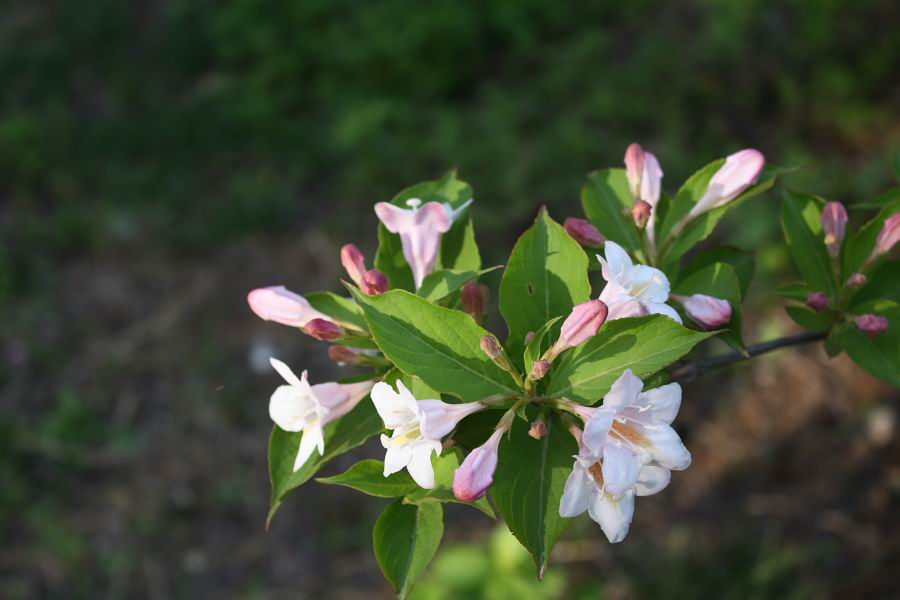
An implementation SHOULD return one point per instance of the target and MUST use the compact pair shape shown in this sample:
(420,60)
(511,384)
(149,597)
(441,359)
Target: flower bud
(323,330)
(634,168)
(374,282)
(708,312)
(277,303)
(740,171)
(343,355)
(474,298)
(872,325)
(539,369)
(583,232)
(476,474)
(641,213)
(354,263)
(529,337)
(890,235)
(818,301)
(857,280)
(834,224)
(491,347)
(582,323)
(538,429)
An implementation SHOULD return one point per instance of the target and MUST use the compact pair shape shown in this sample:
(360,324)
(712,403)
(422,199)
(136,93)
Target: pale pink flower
(476,474)
(708,312)
(281,305)
(633,290)
(834,224)
(740,171)
(420,229)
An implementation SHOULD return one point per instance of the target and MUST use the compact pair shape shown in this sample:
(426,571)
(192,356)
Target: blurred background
(159,159)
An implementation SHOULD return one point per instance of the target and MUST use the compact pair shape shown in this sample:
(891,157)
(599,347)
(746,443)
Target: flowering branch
(694,369)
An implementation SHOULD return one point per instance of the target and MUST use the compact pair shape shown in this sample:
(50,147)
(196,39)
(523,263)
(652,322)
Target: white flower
(299,406)
(627,449)
(418,428)
(633,290)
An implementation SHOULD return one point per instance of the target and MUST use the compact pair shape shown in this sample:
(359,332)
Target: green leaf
(406,538)
(801,219)
(740,260)
(475,429)
(528,486)
(536,348)
(879,355)
(444,468)
(643,344)
(440,345)
(343,310)
(545,277)
(858,246)
(794,291)
(348,432)
(718,280)
(607,203)
(458,248)
(367,476)
(883,284)
(810,319)
(441,284)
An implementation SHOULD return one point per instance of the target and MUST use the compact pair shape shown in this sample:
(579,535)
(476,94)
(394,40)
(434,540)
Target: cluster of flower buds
(645,182)
(372,282)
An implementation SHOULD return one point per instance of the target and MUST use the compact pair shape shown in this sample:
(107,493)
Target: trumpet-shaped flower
(740,171)
(632,290)
(299,406)
(888,237)
(476,474)
(279,304)
(418,426)
(420,229)
(627,449)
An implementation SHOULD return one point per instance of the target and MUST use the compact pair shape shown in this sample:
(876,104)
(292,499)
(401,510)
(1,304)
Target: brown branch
(692,370)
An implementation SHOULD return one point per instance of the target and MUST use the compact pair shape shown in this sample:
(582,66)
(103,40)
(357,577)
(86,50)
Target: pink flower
(708,312)
(857,280)
(834,224)
(354,263)
(818,301)
(583,232)
(374,282)
(582,324)
(740,171)
(283,306)
(476,474)
(323,330)
(889,236)
(645,181)
(420,230)
(872,325)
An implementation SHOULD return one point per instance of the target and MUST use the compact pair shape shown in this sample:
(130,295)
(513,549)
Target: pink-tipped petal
(278,304)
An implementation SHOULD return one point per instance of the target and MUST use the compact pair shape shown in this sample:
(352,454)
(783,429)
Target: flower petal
(286,372)
(437,418)
(624,391)
(397,456)
(652,479)
(394,218)
(666,448)
(596,430)
(621,468)
(647,284)
(662,403)
(618,263)
(577,492)
(614,516)
(420,467)
(289,408)
(392,407)
(311,439)
(664,309)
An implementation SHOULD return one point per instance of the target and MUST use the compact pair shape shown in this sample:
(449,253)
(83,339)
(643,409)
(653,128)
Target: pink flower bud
(343,355)
(641,213)
(539,369)
(834,224)
(857,280)
(583,232)
(354,263)
(538,429)
(634,168)
(890,235)
(708,312)
(476,474)
(281,305)
(582,324)
(740,171)
(818,301)
(529,337)
(491,347)
(374,282)
(872,325)
(474,298)
(324,330)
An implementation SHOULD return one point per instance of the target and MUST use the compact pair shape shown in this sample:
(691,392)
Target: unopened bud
(539,369)
(476,474)
(474,298)
(641,213)
(324,330)
(889,236)
(634,168)
(582,324)
(818,301)
(834,224)
(708,312)
(343,355)
(740,171)
(529,337)
(857,280)
(583,232)
(491,347)
(538,429)
(354,263)
(279,304)
(872,325)
(374,282)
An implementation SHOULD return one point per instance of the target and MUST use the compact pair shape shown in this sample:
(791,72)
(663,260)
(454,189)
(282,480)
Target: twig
(693,370)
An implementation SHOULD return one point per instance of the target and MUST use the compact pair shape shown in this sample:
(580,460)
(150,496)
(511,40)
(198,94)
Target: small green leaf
(883,284)
(536,348)
(445,467)
(343,310)
(406,538)
(858,246)
(801,219)
(528,485)
(348,432)
(607,202)
(367,476)
(879,355)
(643,344)
(440,345)
(809,319)
(545,277)
(740,260)
(441,284)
